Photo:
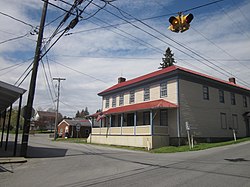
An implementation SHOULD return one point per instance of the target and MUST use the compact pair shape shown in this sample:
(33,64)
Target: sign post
(78,127)
(188,134)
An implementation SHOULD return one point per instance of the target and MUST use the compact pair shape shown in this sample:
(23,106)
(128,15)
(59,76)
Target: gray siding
(205,115)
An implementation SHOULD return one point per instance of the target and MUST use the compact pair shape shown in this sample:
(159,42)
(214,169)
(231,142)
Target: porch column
(4,119)
(8,129)
(151,122)
(110,121)
(17,124)
(135,121)
(122,116)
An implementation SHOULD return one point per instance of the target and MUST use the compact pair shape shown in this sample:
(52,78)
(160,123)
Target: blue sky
(92,58)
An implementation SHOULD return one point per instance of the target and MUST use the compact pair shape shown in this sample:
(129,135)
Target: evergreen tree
(168,59)
(77,114)
(83,113)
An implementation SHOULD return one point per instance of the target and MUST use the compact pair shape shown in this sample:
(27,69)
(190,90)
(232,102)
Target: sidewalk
(9,160)
(6,157)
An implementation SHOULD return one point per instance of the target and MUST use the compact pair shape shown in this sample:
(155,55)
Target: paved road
(72,165)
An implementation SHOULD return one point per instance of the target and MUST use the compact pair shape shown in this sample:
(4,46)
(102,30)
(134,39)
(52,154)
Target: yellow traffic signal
(185,21)
(180,23)
(174,24)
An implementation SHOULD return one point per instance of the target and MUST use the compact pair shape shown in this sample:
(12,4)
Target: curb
(10,160)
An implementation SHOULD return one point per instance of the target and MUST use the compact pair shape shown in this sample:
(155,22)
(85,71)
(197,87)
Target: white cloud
(88,52)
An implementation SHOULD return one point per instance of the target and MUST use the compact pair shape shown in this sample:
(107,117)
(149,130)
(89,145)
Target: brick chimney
(232,80)
(121,79)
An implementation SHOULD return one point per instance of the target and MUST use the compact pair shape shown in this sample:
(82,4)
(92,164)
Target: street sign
(78,126)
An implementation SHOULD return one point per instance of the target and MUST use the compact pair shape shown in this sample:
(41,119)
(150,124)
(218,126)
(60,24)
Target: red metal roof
(163,71)
(161,103)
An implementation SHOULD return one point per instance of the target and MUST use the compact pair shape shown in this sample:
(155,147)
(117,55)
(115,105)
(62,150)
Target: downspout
(178,111)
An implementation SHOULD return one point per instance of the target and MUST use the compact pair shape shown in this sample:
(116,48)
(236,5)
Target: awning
(9,94)
(142,106)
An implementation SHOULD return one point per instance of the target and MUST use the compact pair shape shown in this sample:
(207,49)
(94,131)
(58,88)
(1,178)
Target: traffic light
(185,21)
(174,24)
(180,23)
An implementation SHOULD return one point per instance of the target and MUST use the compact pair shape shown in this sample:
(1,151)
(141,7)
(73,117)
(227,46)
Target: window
(146,118)
(113,120)
(233,102)
(223,120)
(107,102)
(114,101)
(244,101)
(130,119)
(132,97)
(121,99)
(164,118)
(235,121)
(164,90)
(205,93)
(119,120)
(146,94)
(221,96)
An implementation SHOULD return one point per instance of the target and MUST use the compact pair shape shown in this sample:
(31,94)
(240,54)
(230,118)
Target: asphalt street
(67,164)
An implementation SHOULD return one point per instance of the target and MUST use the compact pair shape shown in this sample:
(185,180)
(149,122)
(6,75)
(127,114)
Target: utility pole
(28,112)
(57,105)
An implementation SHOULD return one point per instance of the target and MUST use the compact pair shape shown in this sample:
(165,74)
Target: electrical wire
(48,84)
(201,6)
(178,43)
(50,74)
(24,73)
(16,19)
(12,39)
(136,39)
(11,66)
(219,48)
(78,71)
(239,27)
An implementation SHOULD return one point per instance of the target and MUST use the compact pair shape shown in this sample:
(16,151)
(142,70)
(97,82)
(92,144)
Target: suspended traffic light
(180,23)
(174,24)
(185,21)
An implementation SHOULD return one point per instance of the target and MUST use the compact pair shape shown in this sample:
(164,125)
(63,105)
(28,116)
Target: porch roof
(161,103)
(9,94)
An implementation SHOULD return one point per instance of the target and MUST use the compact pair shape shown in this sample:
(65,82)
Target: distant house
(74,128)
(153,110)
(45,120)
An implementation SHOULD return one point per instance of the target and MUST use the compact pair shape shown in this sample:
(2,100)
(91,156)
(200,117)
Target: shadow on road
(236,160)
(44,152)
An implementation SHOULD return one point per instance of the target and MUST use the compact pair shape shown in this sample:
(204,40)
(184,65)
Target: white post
(234,135)
(188,134)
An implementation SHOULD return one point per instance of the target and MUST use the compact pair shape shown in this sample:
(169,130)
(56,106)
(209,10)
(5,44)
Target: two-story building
(152,110)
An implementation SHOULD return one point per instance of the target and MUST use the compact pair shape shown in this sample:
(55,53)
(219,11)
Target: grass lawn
(72,140)
(201,146)
(167,149)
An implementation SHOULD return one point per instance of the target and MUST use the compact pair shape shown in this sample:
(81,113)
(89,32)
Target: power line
(12,39)
(24,74)
(11,66)
(178,43)
(16,19)
(201,6)
(48,84)
(235,23)
(220,48)
(78,71)
(51,78)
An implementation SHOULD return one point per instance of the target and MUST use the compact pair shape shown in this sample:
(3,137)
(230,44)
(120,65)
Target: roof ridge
(167,70)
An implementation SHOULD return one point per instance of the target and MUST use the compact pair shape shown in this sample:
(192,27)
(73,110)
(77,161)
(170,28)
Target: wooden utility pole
(57,105)
(28,112)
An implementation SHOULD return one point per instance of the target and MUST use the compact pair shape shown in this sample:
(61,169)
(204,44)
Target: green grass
(167,149)
(201,146)
(72,140)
